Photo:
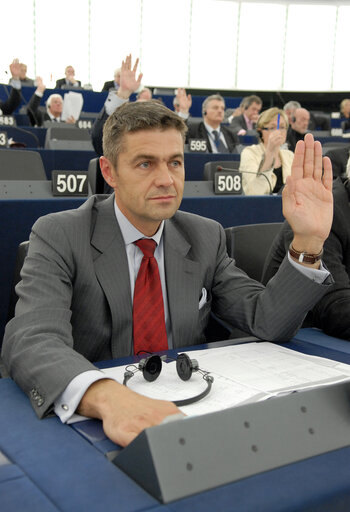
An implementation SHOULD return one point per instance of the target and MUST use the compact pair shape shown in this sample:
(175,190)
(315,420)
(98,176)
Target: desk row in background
(87,119)
(74,160)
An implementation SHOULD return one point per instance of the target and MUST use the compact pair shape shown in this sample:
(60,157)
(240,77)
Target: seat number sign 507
(69,183)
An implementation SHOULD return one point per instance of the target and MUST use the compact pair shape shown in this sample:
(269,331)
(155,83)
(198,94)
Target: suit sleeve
(332,313)
(13,101)
(38,346)
(237,124)
(33,112)
(97,131)
(277,252)
(274,312)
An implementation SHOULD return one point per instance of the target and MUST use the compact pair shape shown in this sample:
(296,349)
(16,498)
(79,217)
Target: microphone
(219,168)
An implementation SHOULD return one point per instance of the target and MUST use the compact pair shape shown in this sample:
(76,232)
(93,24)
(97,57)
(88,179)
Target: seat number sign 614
(69,183)
(228,183)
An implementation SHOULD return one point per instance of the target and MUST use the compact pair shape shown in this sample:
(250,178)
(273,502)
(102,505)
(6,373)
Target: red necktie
(148,308)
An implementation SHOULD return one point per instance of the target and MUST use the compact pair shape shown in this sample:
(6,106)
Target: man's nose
(164,177)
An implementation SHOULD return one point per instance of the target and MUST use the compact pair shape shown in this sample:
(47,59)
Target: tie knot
(216,135)
(147,246)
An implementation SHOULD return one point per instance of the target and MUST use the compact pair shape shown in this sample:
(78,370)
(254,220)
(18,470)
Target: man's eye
(144,165)
(176,163)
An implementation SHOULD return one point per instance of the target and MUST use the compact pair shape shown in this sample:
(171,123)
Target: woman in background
(265,166)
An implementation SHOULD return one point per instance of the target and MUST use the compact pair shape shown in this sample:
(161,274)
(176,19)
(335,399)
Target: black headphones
(152,366)
(293,119)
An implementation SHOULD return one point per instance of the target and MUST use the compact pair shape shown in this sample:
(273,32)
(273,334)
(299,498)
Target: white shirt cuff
(16,84)
(38,93)
(112,102)
(184,115)
(319,275)
(66,404)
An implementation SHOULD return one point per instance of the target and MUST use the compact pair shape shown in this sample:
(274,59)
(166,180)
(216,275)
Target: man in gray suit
(75,298)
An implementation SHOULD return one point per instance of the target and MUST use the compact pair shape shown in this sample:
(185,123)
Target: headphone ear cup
(293,119)
(151,367)
(185,366)
(204,113)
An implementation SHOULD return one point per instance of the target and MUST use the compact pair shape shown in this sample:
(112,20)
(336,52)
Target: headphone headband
(151,368)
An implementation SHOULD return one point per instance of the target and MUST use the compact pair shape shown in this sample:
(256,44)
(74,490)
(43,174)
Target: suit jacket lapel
(183,286)
(204,135)
(111,267)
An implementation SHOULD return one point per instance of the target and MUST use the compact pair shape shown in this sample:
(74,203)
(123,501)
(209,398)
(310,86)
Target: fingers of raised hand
(312,158)
(327,178)
(135,65)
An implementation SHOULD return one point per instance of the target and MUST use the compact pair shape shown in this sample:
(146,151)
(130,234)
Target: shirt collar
(130,233)
(210,129)
(58,119)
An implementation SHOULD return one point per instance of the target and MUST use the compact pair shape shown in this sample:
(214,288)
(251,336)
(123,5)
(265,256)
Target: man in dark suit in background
(14,99)
(298,127)
(69,81)
(247,120)
(218,137)
(112,84)
(332,313)
(54,107)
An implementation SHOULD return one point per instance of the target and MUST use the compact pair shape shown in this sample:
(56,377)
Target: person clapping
(265,166)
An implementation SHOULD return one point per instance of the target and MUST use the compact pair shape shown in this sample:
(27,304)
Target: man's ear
(108,171)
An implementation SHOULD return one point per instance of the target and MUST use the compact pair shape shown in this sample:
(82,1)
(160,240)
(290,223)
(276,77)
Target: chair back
(97,183)
(18,164)
(69,138)
(249,245)
(210,168)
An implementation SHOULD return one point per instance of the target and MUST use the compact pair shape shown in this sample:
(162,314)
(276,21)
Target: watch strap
(304,257)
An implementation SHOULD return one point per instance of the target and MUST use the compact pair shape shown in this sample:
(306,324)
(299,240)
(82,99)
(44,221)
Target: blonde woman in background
(265,166)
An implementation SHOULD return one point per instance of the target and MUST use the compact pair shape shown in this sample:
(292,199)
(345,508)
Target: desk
(59,470)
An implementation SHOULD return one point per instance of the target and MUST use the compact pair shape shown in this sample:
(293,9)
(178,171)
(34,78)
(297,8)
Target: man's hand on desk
(123,412)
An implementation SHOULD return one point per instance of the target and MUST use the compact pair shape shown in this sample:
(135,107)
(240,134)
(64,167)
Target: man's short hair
(291,105)
(133,117)
(207,100)
(249,100)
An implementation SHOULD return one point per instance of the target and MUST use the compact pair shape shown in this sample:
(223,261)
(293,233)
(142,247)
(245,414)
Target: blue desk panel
(75,160)
(61,159)
(73,475)
(194,163)
(236,210)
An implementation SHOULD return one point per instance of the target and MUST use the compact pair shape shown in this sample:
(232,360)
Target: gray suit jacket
(75,302)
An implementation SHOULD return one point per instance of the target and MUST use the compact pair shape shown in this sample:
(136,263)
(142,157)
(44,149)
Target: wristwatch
(304,257)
